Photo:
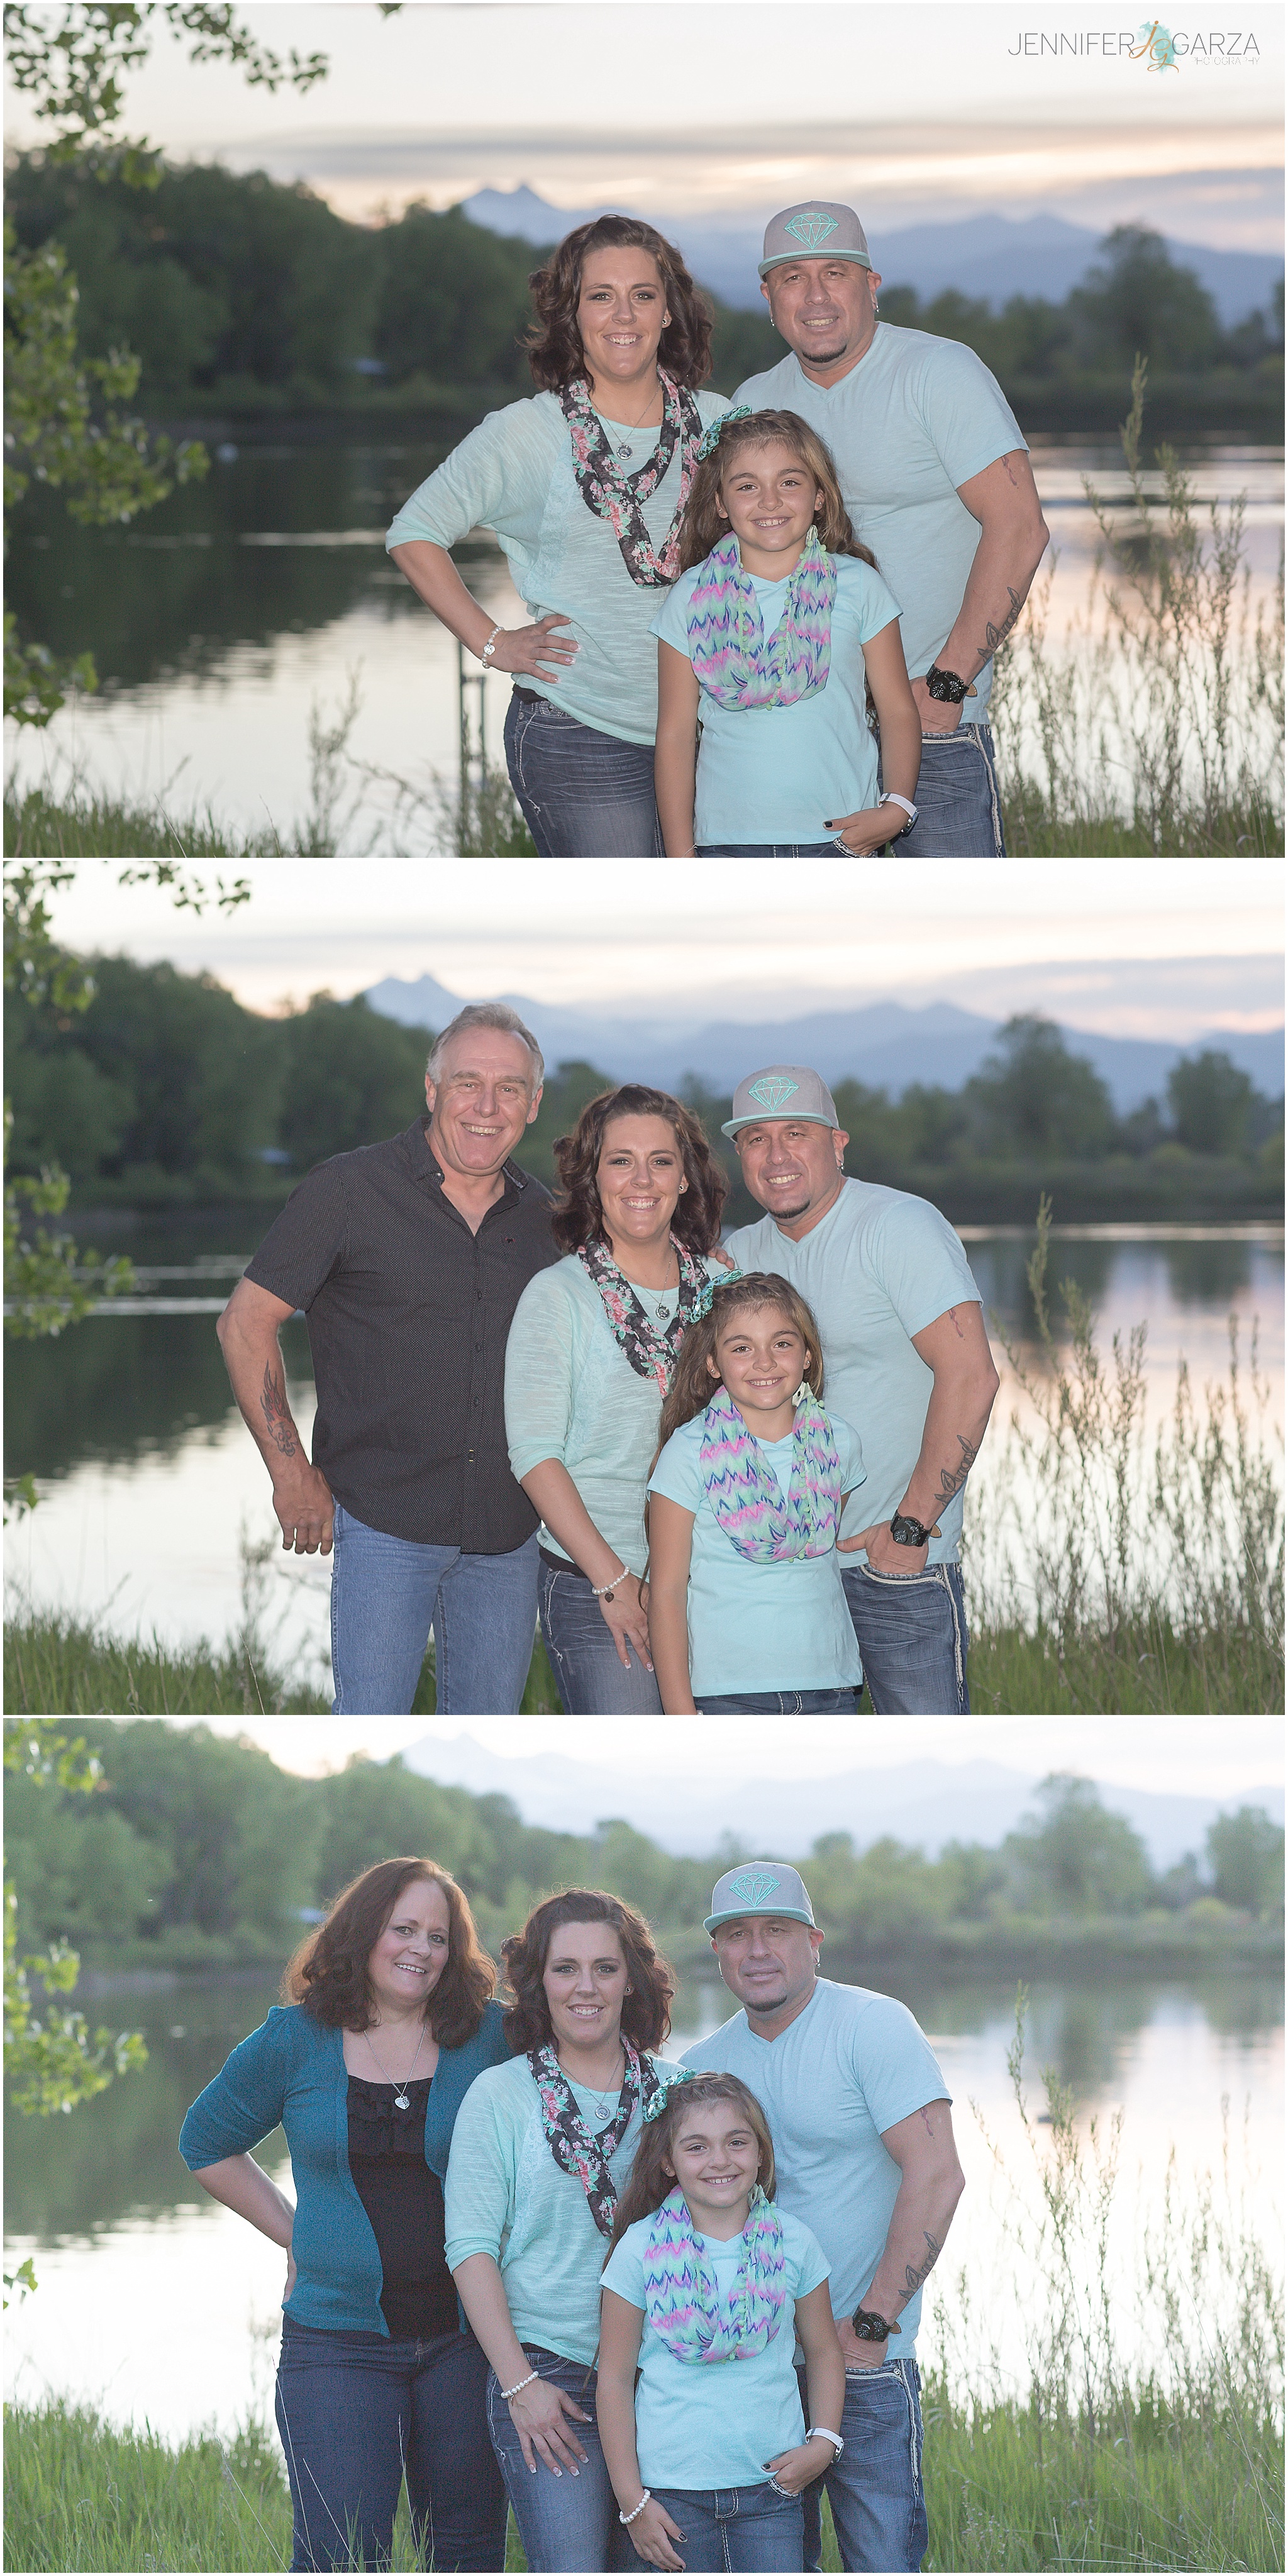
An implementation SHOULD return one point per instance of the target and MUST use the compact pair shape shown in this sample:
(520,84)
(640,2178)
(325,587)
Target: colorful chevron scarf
(682,2296)
(727,644)
(567,2136)
(614,495)
(652,1349)
(746,1496)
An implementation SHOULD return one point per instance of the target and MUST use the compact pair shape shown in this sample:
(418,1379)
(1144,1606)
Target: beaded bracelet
(508,2393)
(604,1591)
(490,646)
(646,2498)
(820,2433)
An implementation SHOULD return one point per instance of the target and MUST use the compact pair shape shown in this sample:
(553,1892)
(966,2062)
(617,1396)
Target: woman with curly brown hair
(542,2148)
(585,485)
(590,1356)
(387,2016)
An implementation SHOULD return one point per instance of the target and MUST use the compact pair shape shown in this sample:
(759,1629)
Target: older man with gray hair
(408,1259)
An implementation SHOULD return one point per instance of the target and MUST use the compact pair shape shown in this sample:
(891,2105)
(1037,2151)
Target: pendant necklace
(402,2098)
(626,451)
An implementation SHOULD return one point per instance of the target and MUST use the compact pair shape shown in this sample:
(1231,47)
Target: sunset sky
(731,107)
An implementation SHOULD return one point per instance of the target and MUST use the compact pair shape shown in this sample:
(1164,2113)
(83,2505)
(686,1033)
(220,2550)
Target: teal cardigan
(292,2070)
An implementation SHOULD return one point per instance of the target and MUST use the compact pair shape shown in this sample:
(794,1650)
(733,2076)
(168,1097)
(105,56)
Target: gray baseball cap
(817,230)
(781,1091)
(760,1887)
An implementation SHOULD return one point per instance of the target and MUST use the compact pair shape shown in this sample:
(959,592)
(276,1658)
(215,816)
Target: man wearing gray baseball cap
(861,2121)
(905,1360)
(936,478)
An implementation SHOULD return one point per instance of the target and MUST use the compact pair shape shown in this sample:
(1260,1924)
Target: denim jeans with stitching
(833,849)
(912,1636)
(807,1703)
(584,794)
(753,2530)
(566,2523)
(387,1593)
(590,1676)
(874,2488)
(959,808)
(358,2412)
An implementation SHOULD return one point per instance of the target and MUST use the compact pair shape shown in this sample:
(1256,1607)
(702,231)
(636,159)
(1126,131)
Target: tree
(1246,1857)
(1211,1102)
(1136,300)
(1075,1857)
(350,1077)
(51,2061)
(1034,1097)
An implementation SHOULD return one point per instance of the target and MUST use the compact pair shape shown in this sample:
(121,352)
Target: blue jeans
(811,1703)
(564,2522)
(748,2528)
(874,2489)
(357,2412)
(387,1593)
(912,1637)
(959,810)
(833,849)
(584,795)
(592,1680)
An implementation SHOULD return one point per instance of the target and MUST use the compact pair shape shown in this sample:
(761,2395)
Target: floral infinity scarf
(616,496)
(652,1348)
(682,2296)
(727,645)
(567,2136)
(745,1494)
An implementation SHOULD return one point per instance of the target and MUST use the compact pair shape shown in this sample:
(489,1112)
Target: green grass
(1149,2486)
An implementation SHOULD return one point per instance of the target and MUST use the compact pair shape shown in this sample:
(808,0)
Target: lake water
(157,2305)
(149,1479)
(225,616)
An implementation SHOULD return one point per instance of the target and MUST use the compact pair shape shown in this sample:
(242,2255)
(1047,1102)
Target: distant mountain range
(924,1803)
(988,256)
(884,1044)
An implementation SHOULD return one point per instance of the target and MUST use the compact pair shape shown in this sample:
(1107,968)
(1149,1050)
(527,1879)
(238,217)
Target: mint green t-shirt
(914,419)
(505,2196)
(715,2423)
(571,1394)
(514,474)
(880,1266)
(753,1625)
(783,773)
(853,2064)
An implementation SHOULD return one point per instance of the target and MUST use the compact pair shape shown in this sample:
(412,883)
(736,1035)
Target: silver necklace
(402,2098)
(625,449)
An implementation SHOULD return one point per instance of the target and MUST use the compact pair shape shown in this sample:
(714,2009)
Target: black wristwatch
(906,1532)
(947,687)
(869,2327)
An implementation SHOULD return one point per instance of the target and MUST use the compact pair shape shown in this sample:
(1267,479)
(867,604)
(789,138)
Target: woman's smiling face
(409,1958)
(769,498)
(585,1982)
(621,315)
(639,1178)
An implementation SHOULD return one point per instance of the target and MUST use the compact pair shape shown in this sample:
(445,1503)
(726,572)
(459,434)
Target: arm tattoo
(277,1415)
(915,2274)
(997,634)
(949,1483)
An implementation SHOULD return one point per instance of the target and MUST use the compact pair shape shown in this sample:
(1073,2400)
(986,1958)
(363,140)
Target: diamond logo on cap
(753,1887)
(812,230)
(773,1090)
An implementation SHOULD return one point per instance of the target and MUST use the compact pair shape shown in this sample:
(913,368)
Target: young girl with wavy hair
(781,640)
(746,1608)
(706,2289)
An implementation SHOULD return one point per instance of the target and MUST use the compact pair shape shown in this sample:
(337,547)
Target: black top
(403,2199)
(408,1314)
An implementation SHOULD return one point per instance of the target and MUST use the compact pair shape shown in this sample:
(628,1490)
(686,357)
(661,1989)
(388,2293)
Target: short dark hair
(646,2011)
(578,1217)
(328,1973)
(555,352)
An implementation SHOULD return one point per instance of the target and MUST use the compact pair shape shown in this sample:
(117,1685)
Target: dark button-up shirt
(407,1314)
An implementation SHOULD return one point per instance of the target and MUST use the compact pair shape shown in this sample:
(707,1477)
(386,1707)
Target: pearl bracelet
(646,2498)
(603,1591)
(820,2433)
(508,2393)
(490,646)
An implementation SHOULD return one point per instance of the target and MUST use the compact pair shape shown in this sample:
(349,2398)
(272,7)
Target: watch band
(890,796)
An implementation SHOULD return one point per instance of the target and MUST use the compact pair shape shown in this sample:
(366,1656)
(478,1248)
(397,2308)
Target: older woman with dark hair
(387,2017)
(591,1353)
(585,486)
(542,2148)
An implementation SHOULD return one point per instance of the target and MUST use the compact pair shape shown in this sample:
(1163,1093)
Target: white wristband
(646,2498)
(490,646)
(820,2433)
(890,798)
